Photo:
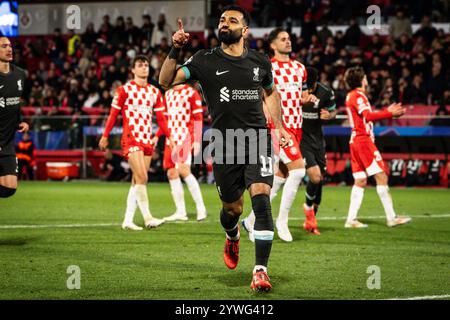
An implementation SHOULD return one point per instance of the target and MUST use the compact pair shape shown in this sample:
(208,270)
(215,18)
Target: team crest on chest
(256,74)
(19,85)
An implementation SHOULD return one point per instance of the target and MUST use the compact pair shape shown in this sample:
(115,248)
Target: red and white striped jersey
(184,107)
(290,79)
(137,104)
(356,103)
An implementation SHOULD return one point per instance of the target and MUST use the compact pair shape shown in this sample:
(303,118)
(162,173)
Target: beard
(230,37)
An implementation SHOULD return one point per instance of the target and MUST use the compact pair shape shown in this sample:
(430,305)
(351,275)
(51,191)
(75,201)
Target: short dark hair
(139,57)
(312,77)
(234,7)
(353,77)
(274,34)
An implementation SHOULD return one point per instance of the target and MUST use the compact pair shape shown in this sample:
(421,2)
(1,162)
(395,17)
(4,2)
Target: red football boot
(260,282)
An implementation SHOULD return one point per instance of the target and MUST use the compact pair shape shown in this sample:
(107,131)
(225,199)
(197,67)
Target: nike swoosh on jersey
(222,72)
(2,86)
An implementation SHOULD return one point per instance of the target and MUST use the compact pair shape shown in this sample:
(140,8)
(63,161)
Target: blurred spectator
(324,34)
(59,42)
(436,84)
(404,44)
(156,172)
(92,99)
(115,167)
(400,25)
(26,155)
(73,43)
(105,100)
(163,30)
(133,32)
(441,111)
(353,34)
(89,37)
(426,30)
(147,28)
(415,93)
(309,28)
(119,34)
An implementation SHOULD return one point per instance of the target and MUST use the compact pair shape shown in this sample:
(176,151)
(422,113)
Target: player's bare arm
(103,143)
(328,115)
(308,97)
(169,75)
(272,101)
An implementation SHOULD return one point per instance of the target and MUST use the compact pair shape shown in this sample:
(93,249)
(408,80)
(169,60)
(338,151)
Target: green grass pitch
(40,239)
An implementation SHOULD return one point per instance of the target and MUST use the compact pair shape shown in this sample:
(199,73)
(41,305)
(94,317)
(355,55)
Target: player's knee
(263,212)
(316,178)
(184,171)
(235,208)
(172,174)
(259,188)
(361,182)
(6,192)
(297,174)
(141,177)
(381,178)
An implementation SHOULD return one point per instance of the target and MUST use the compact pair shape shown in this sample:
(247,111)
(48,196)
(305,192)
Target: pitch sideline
(97,225)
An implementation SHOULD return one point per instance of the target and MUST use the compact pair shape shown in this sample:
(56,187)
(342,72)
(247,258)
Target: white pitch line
(444,296)
(37,226)
(374,217)
(94,225)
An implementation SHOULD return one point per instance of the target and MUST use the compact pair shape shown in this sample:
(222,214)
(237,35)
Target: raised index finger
(180,25)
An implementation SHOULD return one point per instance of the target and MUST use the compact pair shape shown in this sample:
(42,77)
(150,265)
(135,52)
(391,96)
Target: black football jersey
(11,88)
(312,124)
(232,86)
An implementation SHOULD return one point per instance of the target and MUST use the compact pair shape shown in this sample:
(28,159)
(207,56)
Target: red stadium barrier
(94,160)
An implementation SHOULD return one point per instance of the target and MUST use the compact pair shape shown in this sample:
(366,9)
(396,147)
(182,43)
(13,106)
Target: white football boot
(398,220)
(131,226)
(249,230)
(153,223)
(283,231)
(355,224)
(177,217)
(201,215)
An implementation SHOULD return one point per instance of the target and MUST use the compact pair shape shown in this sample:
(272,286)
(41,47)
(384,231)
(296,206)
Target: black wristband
(174,53)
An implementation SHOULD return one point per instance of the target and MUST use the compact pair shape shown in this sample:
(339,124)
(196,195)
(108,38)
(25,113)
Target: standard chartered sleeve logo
(238,94)
(224,94)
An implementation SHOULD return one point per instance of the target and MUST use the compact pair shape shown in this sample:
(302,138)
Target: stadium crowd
(69,74)
(83,70)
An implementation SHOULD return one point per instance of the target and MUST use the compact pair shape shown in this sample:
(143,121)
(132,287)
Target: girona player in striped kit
(184,113)
(366,160)
(136,101)
(290,78)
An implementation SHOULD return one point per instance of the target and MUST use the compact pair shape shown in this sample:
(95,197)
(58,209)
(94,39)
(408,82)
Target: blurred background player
(184,114)
(366,160)
(313,143)
(26,157)
(12,80)
(115,167)
(290,78)
(136,101)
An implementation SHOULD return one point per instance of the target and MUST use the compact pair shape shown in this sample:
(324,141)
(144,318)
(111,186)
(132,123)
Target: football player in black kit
(235,80)
(12,80)
(313,142)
